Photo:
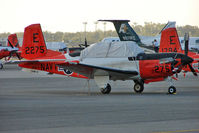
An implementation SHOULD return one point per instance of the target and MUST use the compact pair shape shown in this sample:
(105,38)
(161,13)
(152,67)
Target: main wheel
(106,89)
(1,66)
(172,90)
(138,87)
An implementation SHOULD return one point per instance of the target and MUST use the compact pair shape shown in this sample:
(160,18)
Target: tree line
(148,29)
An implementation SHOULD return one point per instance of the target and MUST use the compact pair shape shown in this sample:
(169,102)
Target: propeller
(13,51)
(85,44)
(186,40)
(10,44)
(185,59)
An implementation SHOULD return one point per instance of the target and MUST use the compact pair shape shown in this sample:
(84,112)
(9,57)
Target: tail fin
(13,41)
(169,41)
(33,42)
(124,30)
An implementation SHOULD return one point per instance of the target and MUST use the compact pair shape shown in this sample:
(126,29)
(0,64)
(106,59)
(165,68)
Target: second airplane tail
(169,39)
(124,30)
(13,41)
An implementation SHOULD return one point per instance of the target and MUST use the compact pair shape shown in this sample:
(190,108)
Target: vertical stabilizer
(33,42)
(13,41)
(169,41)
(124,30)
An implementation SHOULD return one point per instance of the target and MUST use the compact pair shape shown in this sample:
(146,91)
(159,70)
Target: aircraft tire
(138,87)
(106,90)
(172,90)
(1,66)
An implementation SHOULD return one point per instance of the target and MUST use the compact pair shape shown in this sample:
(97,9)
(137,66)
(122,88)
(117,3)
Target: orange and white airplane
(115,61)
(12,49)
(170,43)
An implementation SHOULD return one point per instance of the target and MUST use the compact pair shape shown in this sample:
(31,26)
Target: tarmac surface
(40,103)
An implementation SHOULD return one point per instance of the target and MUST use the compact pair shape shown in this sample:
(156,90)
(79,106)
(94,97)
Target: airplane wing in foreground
(91,70)
(32,61)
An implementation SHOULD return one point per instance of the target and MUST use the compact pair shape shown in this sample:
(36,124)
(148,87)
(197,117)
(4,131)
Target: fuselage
(151,67)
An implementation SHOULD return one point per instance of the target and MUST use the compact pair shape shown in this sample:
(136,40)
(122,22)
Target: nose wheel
(172,90)
(106,89)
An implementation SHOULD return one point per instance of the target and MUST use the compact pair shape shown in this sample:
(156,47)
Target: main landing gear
(138,87)
(106,89)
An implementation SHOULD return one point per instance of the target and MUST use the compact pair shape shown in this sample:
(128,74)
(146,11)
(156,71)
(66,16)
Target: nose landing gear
(172,90)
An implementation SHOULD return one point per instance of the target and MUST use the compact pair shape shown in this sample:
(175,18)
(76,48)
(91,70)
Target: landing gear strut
(1,66)
(138,87)
(106,89)
(172,89)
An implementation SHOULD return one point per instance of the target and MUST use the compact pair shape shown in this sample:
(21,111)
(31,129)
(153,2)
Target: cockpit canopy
(111,50)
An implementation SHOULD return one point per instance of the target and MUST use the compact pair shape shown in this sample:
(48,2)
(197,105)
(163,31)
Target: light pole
(96,25)
(85,23)
(85,43)
(104,28)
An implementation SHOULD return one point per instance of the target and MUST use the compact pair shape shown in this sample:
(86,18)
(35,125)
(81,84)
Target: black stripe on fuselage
(157,56)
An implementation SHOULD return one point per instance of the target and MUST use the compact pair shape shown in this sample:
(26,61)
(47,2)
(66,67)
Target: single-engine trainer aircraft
(103,61)
(11,50)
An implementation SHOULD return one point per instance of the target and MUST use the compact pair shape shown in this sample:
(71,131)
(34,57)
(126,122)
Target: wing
(32,61)
(91,70)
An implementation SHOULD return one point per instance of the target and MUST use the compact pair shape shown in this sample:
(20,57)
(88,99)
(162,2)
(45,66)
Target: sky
(69,15)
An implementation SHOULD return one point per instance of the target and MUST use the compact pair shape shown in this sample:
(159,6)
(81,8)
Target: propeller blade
(10,55)
(193,71)
(10,44)
(18,56)
(186,40)
(17,44)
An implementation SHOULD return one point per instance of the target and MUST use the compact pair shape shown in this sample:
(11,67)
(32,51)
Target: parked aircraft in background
(37,55)
(169,40)
(170,43)
(11,50)
(126,33)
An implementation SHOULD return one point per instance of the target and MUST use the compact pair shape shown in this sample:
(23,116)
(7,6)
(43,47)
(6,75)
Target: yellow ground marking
(179,131)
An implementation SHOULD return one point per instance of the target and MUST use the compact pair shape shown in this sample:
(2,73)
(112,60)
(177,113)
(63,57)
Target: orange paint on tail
(12,40)
(33,42)
(170,41)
